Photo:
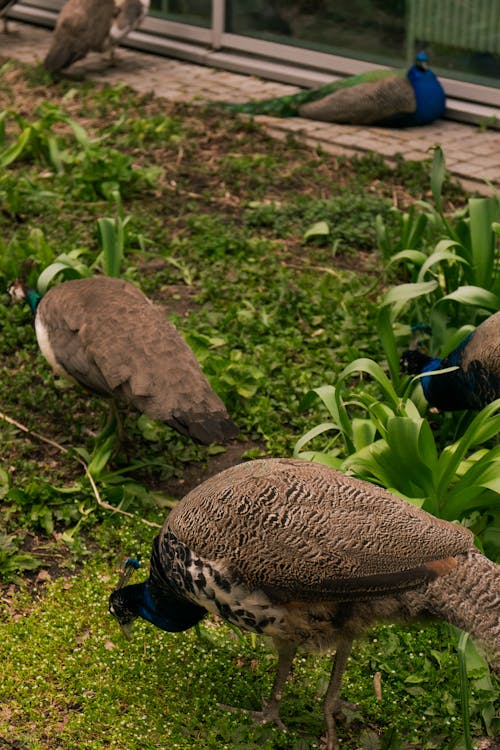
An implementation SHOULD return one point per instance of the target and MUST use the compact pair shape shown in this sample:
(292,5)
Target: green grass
(216,236)
(65,659)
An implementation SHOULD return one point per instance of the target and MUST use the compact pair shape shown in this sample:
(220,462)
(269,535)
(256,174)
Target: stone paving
(472,153)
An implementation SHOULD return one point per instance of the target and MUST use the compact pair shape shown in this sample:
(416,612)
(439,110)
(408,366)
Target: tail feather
(288,106)
(215,428)
(467,597)
(60,56)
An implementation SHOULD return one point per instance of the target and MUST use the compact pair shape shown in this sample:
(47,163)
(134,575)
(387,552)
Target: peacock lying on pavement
(475,383)
(85,26)
(378,97)
(106,335)
(312,558)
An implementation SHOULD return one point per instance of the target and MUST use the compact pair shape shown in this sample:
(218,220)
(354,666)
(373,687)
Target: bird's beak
(126,630)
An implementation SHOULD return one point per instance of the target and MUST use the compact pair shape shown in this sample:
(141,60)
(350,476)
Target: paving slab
(472,153)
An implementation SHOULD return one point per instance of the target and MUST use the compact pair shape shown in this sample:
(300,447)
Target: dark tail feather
(58,58)
(288,106)
(209,429)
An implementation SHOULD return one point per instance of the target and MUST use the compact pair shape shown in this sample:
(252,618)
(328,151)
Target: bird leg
(271,710)
(332,704)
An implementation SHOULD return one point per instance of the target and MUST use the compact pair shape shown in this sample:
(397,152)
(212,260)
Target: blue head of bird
(165,610)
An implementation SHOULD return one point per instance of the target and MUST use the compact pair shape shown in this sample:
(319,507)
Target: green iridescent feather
(288,106)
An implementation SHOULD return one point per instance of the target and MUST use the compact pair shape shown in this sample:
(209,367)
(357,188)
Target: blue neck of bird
(433,364)
(167,612)
(32,298)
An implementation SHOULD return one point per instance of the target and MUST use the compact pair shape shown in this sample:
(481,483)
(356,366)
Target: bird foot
(268,715)
(342,710)
(330,742)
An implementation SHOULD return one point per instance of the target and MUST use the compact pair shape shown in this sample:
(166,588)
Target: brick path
(472,153)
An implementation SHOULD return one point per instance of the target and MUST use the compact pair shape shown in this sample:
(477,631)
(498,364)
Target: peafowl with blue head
(391,98)
(311,558)
(475,381)
(106,335)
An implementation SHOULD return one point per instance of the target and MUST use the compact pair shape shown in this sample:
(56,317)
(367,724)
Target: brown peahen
(85,26)
(394,98)
(106,335)
(312,558)
(476,381)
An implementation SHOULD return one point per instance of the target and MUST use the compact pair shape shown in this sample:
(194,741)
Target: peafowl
(378,97)
(475,383)
(5,6)
(312,558)
(91,25)
(106,335)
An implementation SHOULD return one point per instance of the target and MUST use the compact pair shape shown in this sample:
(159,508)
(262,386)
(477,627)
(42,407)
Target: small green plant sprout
(111,234)
(37,140)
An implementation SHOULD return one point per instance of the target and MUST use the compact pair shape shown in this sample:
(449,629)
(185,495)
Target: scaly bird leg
(332,702)
(271,710)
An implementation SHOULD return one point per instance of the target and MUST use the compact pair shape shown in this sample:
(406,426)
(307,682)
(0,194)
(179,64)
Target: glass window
(363,29)
(194,12)
(462,37)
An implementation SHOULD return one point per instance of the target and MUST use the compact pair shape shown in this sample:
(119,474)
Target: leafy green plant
(388,442)
(13,562)
(462,267)
(94,165)
(37,139)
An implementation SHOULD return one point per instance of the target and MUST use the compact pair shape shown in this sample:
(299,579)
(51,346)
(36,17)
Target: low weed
(219,241)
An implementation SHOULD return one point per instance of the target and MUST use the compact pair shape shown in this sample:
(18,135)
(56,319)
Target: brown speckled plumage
(364,104)
(105,334)
(82,26)
(85,26)
(312,558)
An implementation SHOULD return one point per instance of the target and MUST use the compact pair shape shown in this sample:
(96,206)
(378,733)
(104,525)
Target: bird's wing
(112,339)
(366,103)
(81,26)
(301,531)
(484,346)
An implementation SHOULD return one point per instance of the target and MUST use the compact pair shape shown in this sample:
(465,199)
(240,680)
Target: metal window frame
(216,48)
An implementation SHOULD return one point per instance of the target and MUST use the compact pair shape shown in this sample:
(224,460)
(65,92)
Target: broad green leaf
(404,293)
(454,340)
(321,458)
(319,229)
(413,450)
(111,241)
(414,256)
(439,256)
(372,368)
(319,429)
(484,426)
(14,151)
(483,212)
(55,155)
(79,132)
(69,270)
(474,295)
(363,432)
